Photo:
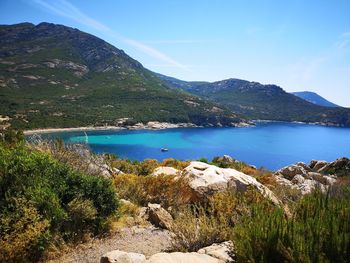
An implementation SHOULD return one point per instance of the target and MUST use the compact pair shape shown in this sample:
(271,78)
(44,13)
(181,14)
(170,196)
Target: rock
(227,159)
(165,170)
(95,168)
(317,165)
(298,179)
(118,256)
(222,251)
(307,178)
(178,257)
(158,216)
(302,164)
(216,253)
(290,171)
(340,167)
(117,171)
(207,179)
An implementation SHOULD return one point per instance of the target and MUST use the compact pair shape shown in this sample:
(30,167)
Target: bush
(201,225)
(61,201)
(177,164)
(145,167)
(167,190)
(23,232)
(318,231)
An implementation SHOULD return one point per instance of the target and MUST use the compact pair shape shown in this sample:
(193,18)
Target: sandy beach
(89,128)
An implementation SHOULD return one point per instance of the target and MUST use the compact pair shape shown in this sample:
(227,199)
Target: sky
(296,44)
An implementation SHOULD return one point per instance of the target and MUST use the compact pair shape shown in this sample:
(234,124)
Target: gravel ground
(147,241)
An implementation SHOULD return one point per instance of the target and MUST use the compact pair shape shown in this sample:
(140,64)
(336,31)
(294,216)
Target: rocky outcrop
(165,170)
(216,253)
(155,125)
(340,167)
(306,178)
(207,179)
(157,216)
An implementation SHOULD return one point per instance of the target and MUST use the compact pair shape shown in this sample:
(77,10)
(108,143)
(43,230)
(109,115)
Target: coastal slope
(258,101)
(56,76)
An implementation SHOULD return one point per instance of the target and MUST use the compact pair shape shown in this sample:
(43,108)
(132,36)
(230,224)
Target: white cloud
(344,41)
(65,9)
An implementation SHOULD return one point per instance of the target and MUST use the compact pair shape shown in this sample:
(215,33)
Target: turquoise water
(271,145)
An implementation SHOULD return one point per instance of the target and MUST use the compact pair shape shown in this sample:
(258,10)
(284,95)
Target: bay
(269,145)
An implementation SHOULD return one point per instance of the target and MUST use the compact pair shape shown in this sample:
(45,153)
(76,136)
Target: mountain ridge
(56,76)
(259,101)
(314,98)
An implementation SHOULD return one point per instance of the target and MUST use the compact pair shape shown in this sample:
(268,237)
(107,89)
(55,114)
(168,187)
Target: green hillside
(257,101)
(56,76)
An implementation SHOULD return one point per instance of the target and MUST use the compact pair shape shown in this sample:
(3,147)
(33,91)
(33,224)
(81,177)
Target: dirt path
(147,241)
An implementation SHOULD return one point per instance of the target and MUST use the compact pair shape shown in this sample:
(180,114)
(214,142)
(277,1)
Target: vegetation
(56,76)
(48,197)
(169,191)
(43,201)
(258,101)
(318,231)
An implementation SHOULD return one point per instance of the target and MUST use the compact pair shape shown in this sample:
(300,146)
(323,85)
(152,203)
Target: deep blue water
(271,145)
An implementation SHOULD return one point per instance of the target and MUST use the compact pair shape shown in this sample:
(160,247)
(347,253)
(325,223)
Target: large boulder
(207,179)
(118,256)
(157,216)
(216,253)
(165,170)
(179,257)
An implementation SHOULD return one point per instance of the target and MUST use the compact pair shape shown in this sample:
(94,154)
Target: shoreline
(87,128)
(156,126)
(137,126)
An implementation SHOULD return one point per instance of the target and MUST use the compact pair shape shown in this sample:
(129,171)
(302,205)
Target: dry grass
(167,190)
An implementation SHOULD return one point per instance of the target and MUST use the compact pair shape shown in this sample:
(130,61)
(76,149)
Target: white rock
(165,170)
(298,179)
(222,251)
(158,216)
(178,257)
(207,179)
(118,256)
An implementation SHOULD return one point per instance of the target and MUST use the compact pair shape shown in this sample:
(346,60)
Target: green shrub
(318,231)
(23,232)
(68,201)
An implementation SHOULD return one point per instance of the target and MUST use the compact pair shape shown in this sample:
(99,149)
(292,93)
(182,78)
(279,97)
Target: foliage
(11,137)
(57,200)
(213,221)
(167,190)
(94,84)
(258,101)
(318,231)
(177,164)
(23,231)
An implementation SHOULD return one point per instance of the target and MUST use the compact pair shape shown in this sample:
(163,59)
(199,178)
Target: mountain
(56,76)
(258,101)
(314,98)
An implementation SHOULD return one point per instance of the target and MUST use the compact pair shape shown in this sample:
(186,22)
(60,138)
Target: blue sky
(299,45)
